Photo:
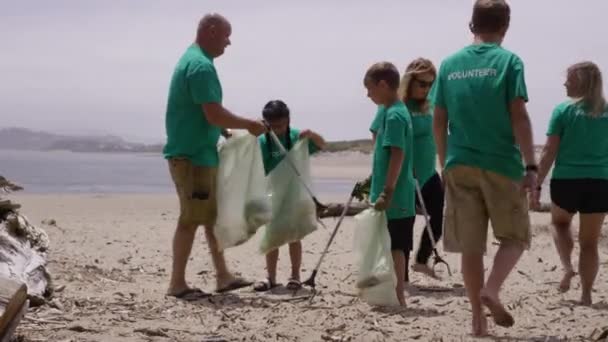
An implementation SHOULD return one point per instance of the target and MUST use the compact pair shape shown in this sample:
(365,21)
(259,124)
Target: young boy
(392,187)
(481,92)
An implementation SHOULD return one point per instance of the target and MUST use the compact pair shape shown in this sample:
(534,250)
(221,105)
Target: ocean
(69,172)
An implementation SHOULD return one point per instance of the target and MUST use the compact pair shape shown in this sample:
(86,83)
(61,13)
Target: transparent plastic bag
(376,280)
(243,205)
(293,210)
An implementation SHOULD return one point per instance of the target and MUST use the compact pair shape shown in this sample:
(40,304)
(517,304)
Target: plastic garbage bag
(293,210)
(243,205)
(376,280)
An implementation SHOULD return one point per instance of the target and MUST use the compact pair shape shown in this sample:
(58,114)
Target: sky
(103,67)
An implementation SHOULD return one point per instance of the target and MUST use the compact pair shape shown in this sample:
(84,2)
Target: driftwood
(13,304)
(23,249)
(335,209)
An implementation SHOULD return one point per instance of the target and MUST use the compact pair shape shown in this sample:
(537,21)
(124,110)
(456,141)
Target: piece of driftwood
(23,249)
(13,305)
(335,209)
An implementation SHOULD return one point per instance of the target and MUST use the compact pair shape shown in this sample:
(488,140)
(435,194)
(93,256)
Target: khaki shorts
(474,197)
(195,187)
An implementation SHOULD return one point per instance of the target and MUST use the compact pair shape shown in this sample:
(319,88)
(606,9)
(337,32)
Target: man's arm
(219,116)
(522,129)
(440,131)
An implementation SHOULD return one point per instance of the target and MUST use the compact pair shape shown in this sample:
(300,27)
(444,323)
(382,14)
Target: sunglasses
(424,84)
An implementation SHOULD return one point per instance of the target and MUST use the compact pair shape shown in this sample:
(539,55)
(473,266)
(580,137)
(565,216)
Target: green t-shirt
(583,147)
(425,156)
(394,129)
(189,134)
(271,155)
(476,86)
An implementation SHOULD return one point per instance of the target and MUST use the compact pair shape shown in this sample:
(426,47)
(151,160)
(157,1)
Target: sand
(111,254)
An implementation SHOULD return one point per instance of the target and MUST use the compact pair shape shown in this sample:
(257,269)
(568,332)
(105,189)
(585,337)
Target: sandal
(293,284)
(264,285)
(190,294)
(237,283)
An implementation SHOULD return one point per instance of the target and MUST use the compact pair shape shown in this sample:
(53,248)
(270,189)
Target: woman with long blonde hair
(414,89)
(577,141)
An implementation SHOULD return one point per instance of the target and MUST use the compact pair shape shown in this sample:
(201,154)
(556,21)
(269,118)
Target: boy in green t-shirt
(392,187)
(480,95)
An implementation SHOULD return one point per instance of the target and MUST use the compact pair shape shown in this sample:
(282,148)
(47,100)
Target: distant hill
(26,139)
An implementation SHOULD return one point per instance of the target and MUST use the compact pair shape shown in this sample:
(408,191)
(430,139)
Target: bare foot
(500,315)
(586,299)
(564,285)
(480,325)
(424,269)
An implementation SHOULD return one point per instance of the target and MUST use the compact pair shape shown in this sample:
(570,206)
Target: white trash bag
(294,213)
(376,280)
(242,203)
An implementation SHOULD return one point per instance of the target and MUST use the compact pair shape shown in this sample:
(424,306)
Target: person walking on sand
(194,120)
(577,141)
(480,94)
(392,180)
(413,91)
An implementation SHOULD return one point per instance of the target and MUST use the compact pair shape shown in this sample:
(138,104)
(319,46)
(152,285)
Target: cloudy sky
(77,66)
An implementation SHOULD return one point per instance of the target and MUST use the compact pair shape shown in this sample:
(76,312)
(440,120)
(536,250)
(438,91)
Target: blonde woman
(414,90)
(577,140)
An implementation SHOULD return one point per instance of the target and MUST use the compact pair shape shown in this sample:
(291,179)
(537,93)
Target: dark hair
(275,110)
(490,16)
(383,71)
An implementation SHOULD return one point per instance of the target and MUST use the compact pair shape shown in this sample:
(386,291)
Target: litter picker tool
(437,259)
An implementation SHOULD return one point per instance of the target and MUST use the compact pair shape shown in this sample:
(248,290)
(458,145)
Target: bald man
(195,119)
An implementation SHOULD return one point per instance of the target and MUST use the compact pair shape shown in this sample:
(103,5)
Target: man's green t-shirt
(271,155)
(394,129)
(189,134)
(583,147)
(476,86)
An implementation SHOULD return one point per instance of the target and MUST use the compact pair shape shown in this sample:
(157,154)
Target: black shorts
(402,233)
(584,195)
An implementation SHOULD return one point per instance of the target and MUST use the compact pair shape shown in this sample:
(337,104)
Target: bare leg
(399,264)
(473,274)
(564,243)
(272,258)
(588,264)
(506,258)
(182,246)
(223,276)
(295,254)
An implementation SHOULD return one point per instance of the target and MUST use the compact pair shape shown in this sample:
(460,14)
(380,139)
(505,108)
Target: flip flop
(264,285)
(293,285)
(501,316)
(236,284)
(190,294)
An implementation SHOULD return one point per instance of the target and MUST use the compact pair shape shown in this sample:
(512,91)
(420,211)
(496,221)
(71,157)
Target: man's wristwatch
(532,168)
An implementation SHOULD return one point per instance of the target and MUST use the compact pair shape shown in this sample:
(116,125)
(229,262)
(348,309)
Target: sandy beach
(110,260)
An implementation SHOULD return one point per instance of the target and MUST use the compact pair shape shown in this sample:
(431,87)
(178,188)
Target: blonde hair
(589,79)
(418,66)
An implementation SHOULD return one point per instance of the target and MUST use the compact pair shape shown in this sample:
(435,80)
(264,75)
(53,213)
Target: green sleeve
(265,154)
(377,120)
(394,132)
(204,85)
(556,124)
(436,95)
(516,83)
